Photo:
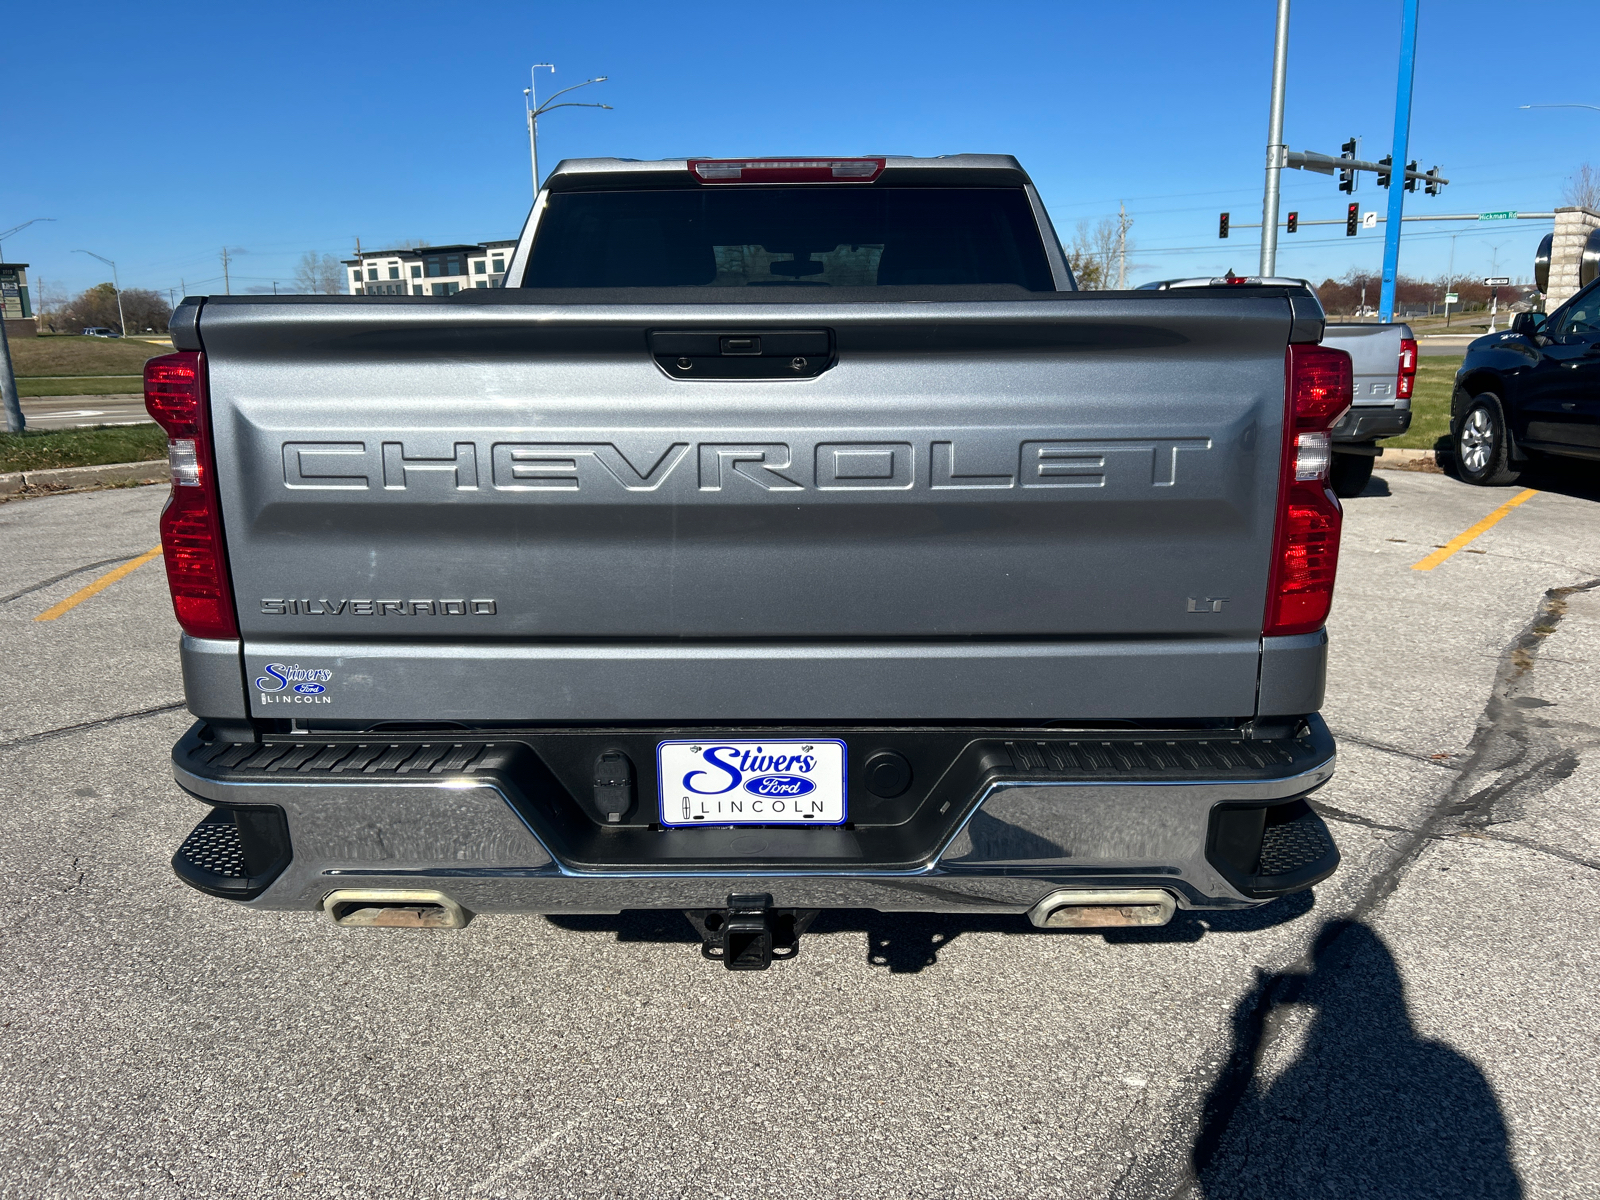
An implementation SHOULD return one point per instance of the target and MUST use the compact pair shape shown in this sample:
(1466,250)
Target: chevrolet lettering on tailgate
(938,465)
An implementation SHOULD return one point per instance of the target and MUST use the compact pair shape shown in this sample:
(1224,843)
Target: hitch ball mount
(749,933)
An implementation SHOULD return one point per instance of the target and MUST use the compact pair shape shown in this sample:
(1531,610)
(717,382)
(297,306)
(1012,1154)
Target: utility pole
(1277,152)
(1398,150)
(1123,221)
(227,285)
(1494,290)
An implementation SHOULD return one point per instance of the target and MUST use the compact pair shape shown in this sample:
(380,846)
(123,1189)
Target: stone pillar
(1573,227)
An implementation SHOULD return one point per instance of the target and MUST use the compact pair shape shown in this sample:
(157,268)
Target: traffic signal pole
(1277,152)
(1398,152)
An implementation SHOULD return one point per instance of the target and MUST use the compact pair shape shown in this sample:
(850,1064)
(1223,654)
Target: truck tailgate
(497,508)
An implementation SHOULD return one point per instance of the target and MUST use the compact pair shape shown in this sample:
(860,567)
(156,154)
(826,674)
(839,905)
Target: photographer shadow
(1367,1108)
(905,943)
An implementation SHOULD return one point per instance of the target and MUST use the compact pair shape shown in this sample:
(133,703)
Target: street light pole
(18,229)
(530,101)
(1277,152)
(536,110)
(115,283)
(1399,148)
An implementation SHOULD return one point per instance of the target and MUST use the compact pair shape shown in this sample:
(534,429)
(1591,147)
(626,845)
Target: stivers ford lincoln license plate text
(723,781)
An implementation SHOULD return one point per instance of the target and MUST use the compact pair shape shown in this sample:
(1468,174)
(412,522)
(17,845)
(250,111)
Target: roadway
(80,412)
(1422,1025)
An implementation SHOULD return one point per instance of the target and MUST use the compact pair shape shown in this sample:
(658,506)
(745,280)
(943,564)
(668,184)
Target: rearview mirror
(1527,324)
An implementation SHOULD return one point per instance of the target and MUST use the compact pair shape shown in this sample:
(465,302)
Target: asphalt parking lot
(1422,1025)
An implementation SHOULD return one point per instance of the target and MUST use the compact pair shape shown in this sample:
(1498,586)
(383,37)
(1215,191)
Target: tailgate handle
(694,354)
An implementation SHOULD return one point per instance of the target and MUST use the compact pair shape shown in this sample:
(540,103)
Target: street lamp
(115,282)
(1596,107)
(535,110)
(18,229)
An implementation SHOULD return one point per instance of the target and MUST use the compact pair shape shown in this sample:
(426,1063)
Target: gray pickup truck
(1384,367)
(1384,371)
(786,535)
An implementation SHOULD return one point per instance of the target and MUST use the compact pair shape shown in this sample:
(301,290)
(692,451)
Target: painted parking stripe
(98,586)
(1466,537)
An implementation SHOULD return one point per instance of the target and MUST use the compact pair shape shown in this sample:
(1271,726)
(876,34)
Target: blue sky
(157,136)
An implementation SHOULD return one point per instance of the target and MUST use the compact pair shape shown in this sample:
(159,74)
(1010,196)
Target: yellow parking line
(98,586)
(1483,526)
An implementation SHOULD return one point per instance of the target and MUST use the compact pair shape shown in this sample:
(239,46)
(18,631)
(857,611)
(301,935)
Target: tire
(1483,448)
(1349,474)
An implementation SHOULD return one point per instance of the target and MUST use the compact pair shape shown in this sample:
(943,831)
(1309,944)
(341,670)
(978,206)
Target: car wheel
(1349,474)
(1483,451)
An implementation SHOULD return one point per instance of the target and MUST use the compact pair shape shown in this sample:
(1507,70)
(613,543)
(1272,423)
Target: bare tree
(1093,254)
(1583,188)
(316,275)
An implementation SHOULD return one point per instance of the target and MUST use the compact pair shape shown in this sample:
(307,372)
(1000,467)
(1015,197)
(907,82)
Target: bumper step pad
(1292,846)
(1271,851)
(234,852)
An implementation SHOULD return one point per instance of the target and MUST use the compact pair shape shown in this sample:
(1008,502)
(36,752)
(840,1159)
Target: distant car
(1533,390)
(100,331)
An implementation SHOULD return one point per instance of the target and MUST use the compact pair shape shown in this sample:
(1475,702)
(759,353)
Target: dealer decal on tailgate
(766,782)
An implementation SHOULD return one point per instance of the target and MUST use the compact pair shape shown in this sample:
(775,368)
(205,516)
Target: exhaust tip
(389,908)
(1103,910)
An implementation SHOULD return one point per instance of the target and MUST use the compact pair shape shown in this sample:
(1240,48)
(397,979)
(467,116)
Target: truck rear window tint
(788,237)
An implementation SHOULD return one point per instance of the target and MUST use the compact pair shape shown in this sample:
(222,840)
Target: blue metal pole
(1399,149)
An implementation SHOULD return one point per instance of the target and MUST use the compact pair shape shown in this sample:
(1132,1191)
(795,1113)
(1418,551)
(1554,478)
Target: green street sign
(1452,298)
(1498,216)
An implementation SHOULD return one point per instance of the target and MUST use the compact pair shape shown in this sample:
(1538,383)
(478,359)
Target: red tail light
(191,523)
(1408,368)
(786,170)
(1305,552)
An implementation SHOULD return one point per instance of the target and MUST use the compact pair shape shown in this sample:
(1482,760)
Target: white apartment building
(428,270)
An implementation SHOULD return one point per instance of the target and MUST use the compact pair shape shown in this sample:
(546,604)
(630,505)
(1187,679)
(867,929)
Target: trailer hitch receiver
(749,933)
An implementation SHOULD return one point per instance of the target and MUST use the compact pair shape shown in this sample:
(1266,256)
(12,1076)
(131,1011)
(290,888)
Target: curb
(61,478)
(1397,459)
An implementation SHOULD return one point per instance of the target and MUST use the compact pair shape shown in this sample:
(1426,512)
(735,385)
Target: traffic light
(1411,184)
(1352,218)
(1434,185)
(1294,222)
(1347,177)
(1387,163)
(1222,226)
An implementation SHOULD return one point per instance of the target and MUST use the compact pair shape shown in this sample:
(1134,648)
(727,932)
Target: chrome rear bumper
(1016,820)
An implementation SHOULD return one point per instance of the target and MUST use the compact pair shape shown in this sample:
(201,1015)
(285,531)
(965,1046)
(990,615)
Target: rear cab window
(789,237)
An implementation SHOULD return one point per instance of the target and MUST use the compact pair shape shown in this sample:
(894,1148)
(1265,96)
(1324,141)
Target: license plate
(764,781)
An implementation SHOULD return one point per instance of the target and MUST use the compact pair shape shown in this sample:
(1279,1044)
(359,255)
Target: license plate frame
(784,800)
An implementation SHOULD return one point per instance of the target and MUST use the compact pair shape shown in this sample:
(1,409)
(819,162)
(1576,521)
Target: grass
(62,354)
(1430,404)
(46,449)
(67,385)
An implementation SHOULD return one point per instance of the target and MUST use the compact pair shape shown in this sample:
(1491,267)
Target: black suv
(1534,390)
